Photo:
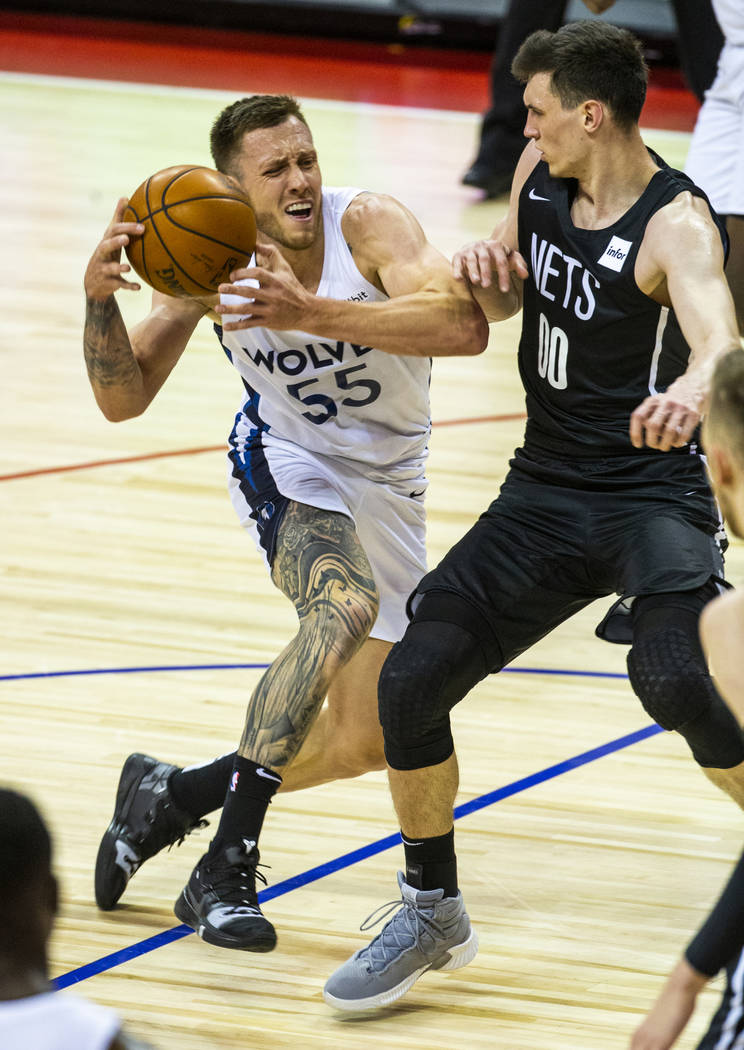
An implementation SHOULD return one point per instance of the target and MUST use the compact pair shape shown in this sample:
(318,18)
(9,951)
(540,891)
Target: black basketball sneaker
(220,902)
(145,820)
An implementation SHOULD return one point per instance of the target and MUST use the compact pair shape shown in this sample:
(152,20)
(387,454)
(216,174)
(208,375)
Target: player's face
(557,132)
(278,171)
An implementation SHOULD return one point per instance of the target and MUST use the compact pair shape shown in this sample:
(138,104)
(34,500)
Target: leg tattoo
(322,568)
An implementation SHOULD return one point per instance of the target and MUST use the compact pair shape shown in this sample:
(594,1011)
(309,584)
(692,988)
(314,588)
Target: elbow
(118,413)
(473,332)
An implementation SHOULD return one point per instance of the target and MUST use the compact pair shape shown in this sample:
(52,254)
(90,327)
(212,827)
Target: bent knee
(430,670)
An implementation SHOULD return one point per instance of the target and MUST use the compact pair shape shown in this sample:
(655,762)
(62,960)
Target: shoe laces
(175,831)
(405,930)
(236,884)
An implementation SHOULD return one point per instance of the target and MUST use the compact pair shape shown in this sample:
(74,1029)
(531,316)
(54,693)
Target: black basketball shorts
(560,535)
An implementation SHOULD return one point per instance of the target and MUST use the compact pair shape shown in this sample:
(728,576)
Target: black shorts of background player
(617,263)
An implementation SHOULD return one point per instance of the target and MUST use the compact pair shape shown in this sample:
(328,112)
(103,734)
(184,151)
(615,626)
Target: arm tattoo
(321,566)
(108,352)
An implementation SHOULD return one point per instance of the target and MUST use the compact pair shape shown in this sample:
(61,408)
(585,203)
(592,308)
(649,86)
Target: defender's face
(277,169)
(557,132)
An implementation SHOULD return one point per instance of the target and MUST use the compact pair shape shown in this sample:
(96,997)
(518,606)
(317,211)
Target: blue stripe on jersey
(218,331)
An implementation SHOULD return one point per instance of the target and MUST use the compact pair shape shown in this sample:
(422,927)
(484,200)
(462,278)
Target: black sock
(251,789)
(431,864)
(201,789)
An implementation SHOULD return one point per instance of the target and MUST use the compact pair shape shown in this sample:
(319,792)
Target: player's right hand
(103,274)
(477,262)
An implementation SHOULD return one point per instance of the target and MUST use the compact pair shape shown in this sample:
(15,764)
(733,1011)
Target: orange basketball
(198,227)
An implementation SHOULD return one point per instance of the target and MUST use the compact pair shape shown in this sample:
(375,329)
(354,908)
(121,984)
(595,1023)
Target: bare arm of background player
(476,263)
(680,265)
(126,369)
(428,314)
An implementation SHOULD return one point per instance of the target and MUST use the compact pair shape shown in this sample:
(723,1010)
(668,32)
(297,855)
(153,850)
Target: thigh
(391,523)
(352,696)
(522,566)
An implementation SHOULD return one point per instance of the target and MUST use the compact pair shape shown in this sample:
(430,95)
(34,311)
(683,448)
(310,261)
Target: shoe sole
(106,867)
(186,912)
(453,959)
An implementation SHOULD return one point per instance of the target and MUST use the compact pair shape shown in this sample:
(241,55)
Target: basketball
(198,227)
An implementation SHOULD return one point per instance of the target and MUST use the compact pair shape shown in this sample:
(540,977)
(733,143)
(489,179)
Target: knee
(362,753)
(429,671)
(668,673)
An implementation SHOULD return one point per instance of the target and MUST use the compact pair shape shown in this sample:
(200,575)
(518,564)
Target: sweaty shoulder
(385,239)
(677,235)
(370,215)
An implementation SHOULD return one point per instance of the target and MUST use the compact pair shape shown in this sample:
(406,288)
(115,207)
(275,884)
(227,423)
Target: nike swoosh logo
(536,196)
(261,772)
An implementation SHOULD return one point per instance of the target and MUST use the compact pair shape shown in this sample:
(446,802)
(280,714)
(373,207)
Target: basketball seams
(171,244)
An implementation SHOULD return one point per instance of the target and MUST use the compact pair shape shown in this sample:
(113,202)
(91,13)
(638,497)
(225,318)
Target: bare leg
(735,265)
(729,780)
(321,567)
(346,738)
(424,799)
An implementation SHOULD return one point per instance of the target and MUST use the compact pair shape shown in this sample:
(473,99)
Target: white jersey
(336,398)
(56,1021)
(730,17)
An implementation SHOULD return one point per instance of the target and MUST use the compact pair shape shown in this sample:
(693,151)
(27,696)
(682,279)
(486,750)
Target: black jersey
(593,346)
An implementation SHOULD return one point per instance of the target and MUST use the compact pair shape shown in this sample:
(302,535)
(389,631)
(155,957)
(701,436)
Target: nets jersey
(55,1021)
(593,346)
(329,396)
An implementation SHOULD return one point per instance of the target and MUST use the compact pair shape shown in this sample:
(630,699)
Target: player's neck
(612,181)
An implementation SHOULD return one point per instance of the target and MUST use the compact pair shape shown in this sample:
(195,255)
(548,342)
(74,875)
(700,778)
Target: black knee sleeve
(432,668)
(668,672)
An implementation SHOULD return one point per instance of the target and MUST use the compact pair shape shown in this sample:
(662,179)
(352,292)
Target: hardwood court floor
(136,616)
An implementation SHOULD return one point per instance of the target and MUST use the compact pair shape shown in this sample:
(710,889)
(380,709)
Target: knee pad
(668,673)
(426,673)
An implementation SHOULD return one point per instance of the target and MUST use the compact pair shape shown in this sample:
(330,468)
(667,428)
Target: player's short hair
(248,114)
(589,59)
(726,403)
(25,843)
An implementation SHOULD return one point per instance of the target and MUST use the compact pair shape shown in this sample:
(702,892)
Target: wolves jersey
(593,346)
(329,396)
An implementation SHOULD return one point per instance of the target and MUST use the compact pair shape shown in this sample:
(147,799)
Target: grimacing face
(278,171)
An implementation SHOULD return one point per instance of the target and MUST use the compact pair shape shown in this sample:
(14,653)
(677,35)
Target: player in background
(715,160)
(719,943)
(616,262)
(331,328)
(33,1016)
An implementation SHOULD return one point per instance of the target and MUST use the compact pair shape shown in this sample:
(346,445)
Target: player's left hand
(279,301)
(667,420)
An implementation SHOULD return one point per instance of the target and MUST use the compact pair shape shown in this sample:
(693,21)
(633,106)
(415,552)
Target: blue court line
(261,667)
(346,860)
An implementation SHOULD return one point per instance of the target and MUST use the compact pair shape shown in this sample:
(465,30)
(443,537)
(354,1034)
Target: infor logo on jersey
(615,254)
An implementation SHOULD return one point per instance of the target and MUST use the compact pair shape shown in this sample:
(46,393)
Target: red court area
(244,62)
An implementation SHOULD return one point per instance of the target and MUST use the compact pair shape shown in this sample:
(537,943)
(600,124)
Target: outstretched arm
(125,369)
(428,314)
(680,265)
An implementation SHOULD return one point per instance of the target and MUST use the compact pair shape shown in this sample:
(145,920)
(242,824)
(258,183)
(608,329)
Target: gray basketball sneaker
(430,932)
(145,820)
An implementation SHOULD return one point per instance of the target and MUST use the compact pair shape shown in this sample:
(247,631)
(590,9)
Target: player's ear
(720,466)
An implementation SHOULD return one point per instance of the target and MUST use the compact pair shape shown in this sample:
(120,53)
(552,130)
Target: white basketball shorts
(388,516)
